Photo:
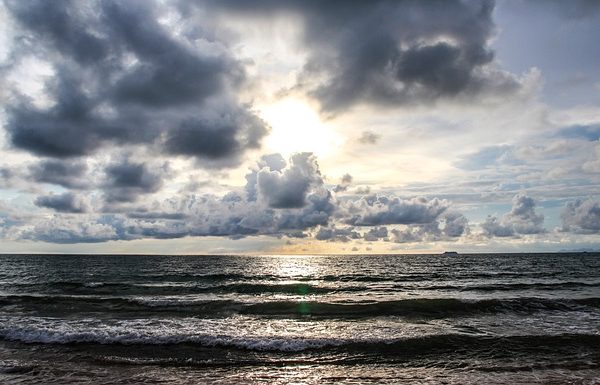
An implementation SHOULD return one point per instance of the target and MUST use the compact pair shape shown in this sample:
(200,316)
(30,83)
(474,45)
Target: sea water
(130,319)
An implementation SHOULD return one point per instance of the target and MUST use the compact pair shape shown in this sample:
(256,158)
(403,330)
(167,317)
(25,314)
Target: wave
(174,288)
(426,308)
(404,345)
(511,286)
(206,307)
(286,288)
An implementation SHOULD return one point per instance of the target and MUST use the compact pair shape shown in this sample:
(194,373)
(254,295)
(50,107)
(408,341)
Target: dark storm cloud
(392,52)
(382,210)
(223,136)
(69,174)
(582,216)
(168,73)
(70,128)
(127,180)
(521,220)
(123,78)
(56,22)
(64,203)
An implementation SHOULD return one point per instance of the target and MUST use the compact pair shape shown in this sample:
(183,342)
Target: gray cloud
(224,136)
(521,220)
(335,234)
(69,174)
(390,52)
(494,227)
(288,188)
(64,203)
(408,234)
(345,182)
(448,226)
(455,224)
(245,212)
(235,214)
(400,52)
(582,216)
(376,210)
(376,233)
(6,177)
(127,180)
(65,229)
(123,78)
(368,137)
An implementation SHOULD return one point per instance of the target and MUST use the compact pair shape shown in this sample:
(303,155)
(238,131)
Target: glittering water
(526,318)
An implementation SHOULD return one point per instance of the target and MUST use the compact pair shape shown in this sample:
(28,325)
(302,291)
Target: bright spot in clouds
(296,127)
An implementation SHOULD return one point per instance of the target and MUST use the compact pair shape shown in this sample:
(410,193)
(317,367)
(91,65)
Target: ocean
(368,319)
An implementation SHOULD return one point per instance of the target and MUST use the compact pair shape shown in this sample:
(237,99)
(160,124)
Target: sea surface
(370,319)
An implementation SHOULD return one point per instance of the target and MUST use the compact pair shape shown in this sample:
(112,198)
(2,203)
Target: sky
(288,126)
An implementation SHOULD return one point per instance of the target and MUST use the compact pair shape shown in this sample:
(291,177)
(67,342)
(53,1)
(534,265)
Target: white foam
(238,332)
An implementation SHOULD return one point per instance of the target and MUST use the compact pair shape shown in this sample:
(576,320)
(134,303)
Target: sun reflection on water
(298,267)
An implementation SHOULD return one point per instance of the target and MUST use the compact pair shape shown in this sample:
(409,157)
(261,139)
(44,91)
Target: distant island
(450,253)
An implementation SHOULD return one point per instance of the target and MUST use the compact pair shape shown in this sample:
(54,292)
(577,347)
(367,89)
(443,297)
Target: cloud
(222,136)
(493,227)
(521,220)
(455,224)
(593,165)
(374,210)
(66,173)
(281,198)
(488,157)
(388,52)
(335,234)
(399,52)
(582,216)
(64,203)
(127,180)
(408,234)
(376,233)
(6,177)
(284,210)
(449,226)
(368,137)
(345,182)
(122,78)
(67,229)
(288,188)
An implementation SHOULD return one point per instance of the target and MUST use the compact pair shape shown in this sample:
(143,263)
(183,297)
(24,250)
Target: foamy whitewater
(464,319)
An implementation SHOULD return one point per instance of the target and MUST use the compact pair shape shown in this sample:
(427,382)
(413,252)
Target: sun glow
(296,127)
